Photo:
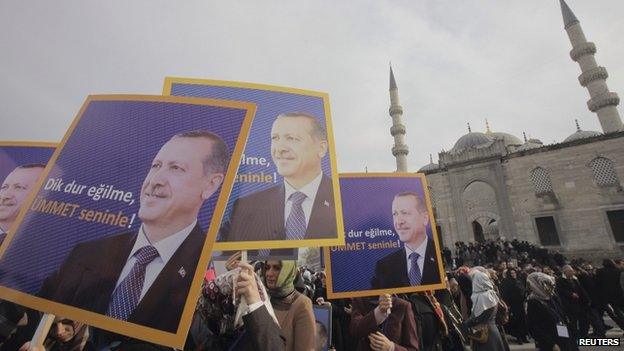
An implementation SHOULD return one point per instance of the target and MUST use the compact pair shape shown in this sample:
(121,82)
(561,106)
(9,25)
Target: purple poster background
(258,148)
(13,156)
(112,145)
(270,105)
(366,205)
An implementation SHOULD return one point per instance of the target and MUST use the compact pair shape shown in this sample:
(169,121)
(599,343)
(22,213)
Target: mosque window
(604,172)
(541,181)
(432,197)
(616,220)
(547,231)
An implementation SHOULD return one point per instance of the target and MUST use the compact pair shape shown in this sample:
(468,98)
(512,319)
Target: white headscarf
(483,295)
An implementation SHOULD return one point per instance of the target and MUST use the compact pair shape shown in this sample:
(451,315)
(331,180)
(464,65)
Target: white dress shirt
(421,250)
(165,247)
(309,190)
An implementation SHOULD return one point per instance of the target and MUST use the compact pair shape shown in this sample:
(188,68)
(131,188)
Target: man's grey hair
(421,205)
(318,131)
(219,156)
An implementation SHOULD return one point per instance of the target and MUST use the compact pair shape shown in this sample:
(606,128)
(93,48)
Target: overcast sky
(455,61)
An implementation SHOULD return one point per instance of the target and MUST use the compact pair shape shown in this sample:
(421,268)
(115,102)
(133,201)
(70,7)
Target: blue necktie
(296,222)
(127,295)
(414,272)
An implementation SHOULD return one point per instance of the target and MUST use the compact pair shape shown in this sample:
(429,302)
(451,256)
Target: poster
(124,217)
(289,163)
(21,165)
(323,320)
(390,246)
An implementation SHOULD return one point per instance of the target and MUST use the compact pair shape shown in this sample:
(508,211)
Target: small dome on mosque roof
(509,139)
(529,144)
(431,166)
(472,140)
(581,134)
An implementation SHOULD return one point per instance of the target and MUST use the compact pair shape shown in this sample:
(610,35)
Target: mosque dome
(431,166)
(510,140)
(581,134)
(530,144)
(472,140)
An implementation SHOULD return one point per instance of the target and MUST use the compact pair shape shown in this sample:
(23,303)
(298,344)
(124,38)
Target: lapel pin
(182,272)
(326,203)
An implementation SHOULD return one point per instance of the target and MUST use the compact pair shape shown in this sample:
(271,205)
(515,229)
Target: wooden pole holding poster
(42,331)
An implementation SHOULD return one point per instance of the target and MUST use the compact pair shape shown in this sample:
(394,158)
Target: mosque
(565,196)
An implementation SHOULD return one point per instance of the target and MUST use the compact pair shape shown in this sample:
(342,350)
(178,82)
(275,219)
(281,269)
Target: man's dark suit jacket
(391,271)
(260,216)
(89,274)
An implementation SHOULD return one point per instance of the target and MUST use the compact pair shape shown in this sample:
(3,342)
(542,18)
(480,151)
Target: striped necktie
(127,295)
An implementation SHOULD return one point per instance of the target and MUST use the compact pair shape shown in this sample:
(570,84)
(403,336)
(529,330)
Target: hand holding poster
(125,215)
(286,191)
(390,239)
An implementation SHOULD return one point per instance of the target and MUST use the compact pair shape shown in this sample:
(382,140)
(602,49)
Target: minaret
(399,150)
(593,77)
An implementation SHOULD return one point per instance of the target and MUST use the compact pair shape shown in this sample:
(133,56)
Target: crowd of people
(498,292)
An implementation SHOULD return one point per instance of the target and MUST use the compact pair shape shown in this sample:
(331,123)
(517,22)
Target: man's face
(174,188)
(14,191)
(568,272)
(409,223)
(272,271)
(295,151)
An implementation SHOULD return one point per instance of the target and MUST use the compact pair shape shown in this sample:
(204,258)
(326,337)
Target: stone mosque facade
(566,196)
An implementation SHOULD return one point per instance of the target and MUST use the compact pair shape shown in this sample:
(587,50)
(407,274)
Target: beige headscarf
(483,295)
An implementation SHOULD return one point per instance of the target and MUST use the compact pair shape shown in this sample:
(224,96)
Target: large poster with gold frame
(123,219)
(286,190)
(391,244)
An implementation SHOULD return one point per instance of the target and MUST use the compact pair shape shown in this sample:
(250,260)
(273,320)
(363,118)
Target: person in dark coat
(513,292)
(587,279)
(376,328)
(608,278)
(430,323)
(574,300)
(455,340)
(546,319)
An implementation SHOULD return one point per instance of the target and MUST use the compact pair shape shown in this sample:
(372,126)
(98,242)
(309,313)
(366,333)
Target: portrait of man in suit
(415,263)
(13,193)
(144,277)
(302,207)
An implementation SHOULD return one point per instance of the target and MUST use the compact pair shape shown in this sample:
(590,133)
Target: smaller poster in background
(323,317)
(21,165)
(391,245)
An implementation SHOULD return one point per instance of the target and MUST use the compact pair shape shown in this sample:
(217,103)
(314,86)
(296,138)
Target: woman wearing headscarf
(292,309)
(483,314)
(547,322)
(513,292)
(66,335)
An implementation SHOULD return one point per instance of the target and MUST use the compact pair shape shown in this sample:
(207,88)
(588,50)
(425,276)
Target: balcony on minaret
(400,150)
(603,100)
(394,109)
(397,129)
